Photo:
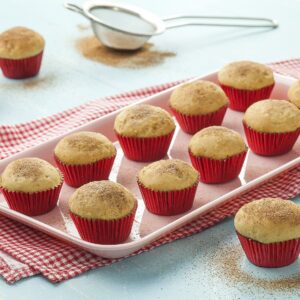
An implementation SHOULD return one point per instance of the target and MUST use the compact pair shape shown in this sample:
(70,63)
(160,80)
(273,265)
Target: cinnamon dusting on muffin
(20,42)
(104,200)
(246,75)
(144,120)
(269,220)
(84,147)
(199,97)
(168,175)
(277,212)
(85,143)
(27,168)
(30,175)
(171,169)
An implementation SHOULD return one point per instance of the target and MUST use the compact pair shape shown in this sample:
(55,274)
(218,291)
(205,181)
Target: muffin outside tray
(21,68)
(273,255)
(148,227)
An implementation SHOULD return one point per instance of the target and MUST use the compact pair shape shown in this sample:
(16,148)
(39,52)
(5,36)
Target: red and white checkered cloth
(25,252)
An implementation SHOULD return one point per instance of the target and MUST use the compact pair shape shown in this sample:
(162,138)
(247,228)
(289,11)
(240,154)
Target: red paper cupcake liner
(270,144)
(77,175)
(168,203)
(21,68)
(32,204)
(104,231)
(241,99)
(273,255)
(145,149)
(218,170)
(191,124)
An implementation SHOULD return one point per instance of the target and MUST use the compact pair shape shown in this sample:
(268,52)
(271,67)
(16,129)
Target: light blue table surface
(191,268)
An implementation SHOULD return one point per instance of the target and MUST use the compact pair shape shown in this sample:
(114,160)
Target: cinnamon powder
(226,263)
(30,83)
(83,27)
(147,56)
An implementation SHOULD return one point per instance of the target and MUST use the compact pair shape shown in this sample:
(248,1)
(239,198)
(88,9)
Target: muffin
(269,231)
(168,187)
(21,52)
(31,185)
(218,153)
(103,212)
(144,132)
(246,82)
(84,157)
(198,104)
(294,93)
(272,126)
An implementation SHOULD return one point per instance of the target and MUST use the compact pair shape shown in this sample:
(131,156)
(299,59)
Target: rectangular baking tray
(148,227)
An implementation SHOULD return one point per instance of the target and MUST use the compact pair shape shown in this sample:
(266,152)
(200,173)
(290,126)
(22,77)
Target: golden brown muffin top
(30,175)
(198,98)
(168,175)
(269,220)
(273,116)
(84,147)
(20,42)
(294,93)
(144,120)
(246,75)
(102,200)
(217,142)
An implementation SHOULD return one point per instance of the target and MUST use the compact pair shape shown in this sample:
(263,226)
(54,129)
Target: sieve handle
(75,8)
(198,20)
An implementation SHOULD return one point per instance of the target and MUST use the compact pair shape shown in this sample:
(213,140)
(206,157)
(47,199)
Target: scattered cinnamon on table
(226,263)
(83,27)
(147,56)
(29,84)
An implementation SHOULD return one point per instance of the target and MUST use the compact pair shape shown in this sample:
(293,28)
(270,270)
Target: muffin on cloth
(168,186)
(84,157)
(218,153)
(272,126)
(198,104)
(269,231)
(144,132)
(246,82)
(103,212)
(31,185)
(21,52)
(294,93)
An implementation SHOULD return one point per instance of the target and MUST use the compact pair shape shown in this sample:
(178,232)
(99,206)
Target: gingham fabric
(25,252)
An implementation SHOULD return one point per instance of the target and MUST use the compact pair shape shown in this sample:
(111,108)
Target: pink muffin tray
(148,227)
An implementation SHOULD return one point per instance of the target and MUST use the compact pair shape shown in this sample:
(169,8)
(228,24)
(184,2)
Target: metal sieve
(127,27)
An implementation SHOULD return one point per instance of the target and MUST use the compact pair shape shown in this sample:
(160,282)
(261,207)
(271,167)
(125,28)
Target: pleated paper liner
(145,149)
(168,203)
(77,175)
(270,144)
(21,68)
(193,123)
(33,204)
(241,99)
(273,255)
(106,232)
(218,170)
